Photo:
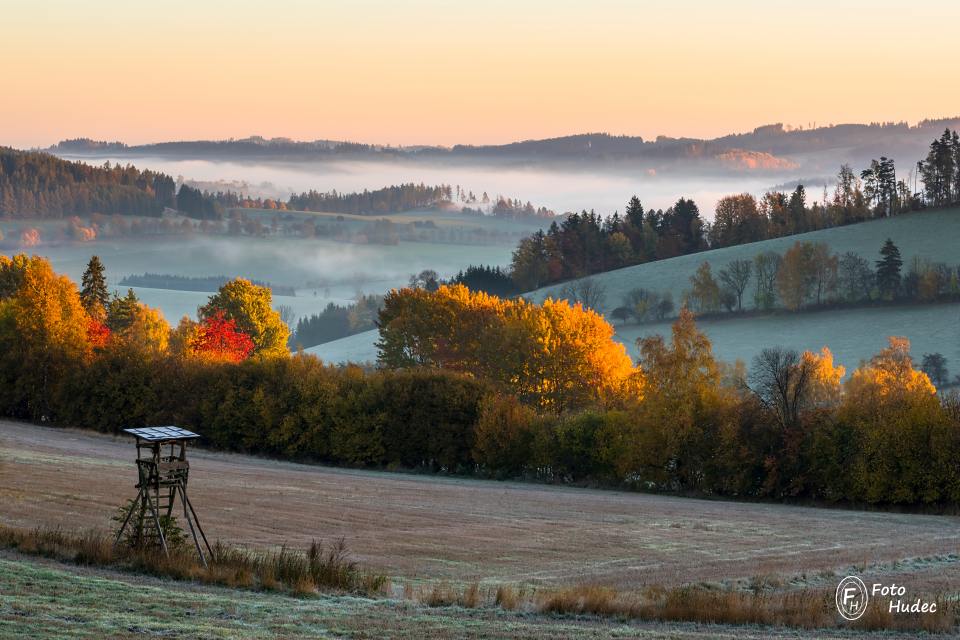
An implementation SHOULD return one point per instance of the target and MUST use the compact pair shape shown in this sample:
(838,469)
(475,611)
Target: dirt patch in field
(465,530)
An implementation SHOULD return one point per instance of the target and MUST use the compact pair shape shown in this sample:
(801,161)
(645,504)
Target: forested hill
(39,184)
(772,146)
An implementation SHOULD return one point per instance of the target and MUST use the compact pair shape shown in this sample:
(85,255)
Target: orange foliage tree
(553,355)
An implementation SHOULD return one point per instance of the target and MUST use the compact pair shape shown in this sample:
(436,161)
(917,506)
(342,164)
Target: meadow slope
(852,334)
(423,528)
(45,599)
(931,235)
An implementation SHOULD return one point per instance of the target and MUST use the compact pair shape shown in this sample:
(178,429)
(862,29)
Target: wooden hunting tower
(163,474)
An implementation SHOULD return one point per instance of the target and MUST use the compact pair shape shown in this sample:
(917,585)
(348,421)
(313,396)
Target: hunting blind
(163,470)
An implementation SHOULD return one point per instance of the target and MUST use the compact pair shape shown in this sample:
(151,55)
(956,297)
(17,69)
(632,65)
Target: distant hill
(767,148)
(852,334)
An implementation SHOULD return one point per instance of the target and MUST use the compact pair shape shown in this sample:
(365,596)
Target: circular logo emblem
(852,597)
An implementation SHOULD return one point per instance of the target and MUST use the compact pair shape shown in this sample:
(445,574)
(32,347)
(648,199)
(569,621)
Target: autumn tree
(681,400)
(43,331)
(217,338)
(893,411)
(705,292)
(801,277)
(553,355)
(93,291)
(889,377)
(145,332)
(737,220)
(250,306)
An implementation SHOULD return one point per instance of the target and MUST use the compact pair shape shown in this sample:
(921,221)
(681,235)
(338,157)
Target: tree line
(809,275)
(339,321)
(36,184)
(587,243)
(475,384)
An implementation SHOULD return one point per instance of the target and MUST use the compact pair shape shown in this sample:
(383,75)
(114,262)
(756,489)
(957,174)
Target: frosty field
(931,235)
(433,527)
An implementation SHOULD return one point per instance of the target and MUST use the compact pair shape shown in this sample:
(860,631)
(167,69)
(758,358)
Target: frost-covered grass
(932,235)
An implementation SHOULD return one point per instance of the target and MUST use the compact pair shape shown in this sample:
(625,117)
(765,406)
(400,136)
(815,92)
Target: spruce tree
(888,269)
(121,312)
(93,293)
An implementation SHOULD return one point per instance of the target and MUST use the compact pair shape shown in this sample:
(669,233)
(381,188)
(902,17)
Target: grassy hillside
(51,600)
(932,235)
(360,347)
(852,334)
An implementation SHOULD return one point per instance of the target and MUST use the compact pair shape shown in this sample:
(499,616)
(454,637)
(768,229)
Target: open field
(63,601)
(428,528)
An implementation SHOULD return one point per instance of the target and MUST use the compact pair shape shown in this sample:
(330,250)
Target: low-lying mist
(604,189)
(321,271)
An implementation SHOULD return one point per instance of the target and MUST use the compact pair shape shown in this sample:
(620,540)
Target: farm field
(73,602)
(426,528)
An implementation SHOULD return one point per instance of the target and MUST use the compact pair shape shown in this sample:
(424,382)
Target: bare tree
(587,291)
(735,277)
(287,314)
(768,264)
(780,378)
(855,277)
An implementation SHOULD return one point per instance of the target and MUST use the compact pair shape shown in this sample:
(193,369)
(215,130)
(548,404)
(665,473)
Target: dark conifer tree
(888,269)
(93,292)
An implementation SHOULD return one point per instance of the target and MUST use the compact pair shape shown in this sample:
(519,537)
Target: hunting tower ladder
(163,474)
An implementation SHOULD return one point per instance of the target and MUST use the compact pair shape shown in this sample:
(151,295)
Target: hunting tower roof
(159,434)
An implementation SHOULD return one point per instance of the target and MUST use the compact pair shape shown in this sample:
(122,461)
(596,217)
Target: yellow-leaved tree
(683,405)
(889,377)
(43,330)
(555,356)
(895,411)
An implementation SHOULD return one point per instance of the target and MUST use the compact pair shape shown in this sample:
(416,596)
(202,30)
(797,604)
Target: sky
(445,72)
